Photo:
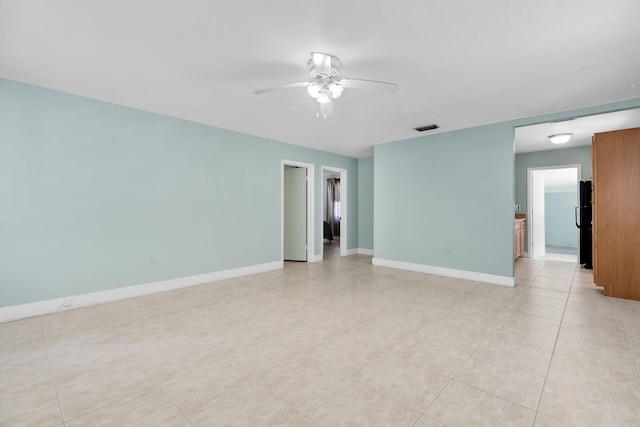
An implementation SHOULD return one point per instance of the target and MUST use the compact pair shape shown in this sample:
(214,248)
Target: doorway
(297,236)
(334,208)
(552,198)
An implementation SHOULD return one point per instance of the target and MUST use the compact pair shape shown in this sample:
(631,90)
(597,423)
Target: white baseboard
(359,251)
(353,251)
(314,258)
(447,272)
(22,311)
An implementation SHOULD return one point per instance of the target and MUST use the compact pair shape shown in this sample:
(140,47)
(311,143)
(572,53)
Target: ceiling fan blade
(322,62)
(386,87)
(287,86)
(326,109)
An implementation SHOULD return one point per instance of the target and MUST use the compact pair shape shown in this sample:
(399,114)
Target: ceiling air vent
(424,128)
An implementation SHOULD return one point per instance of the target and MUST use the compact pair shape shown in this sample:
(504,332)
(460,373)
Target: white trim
(314,258)
(344,194)
(350,252)
(363,251)
(448,272)
(15,312)
(310,206)
(530,198)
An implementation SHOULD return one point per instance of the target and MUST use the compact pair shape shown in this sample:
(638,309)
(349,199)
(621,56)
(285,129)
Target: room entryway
(553,196)
(297,211)
(334,211)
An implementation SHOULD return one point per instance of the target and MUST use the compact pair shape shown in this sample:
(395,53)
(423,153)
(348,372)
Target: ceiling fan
(326,86)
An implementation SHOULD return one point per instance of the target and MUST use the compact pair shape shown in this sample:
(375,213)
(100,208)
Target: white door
(537,211)
(295,214)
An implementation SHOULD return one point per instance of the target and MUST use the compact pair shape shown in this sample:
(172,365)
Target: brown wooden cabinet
(616,212)
(519,232)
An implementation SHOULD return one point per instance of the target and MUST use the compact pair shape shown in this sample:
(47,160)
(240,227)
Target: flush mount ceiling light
(560,138)
(326,86)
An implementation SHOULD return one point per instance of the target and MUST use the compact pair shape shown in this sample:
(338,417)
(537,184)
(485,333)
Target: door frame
(343,208)
(310,217)
(530,201)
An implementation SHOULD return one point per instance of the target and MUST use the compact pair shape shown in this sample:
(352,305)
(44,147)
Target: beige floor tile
(634,339)
(537,300)
(516,374)
(583,321)
(201,382)
(72,321)
(592,297)
(558,273)
(601,311)
(463,405)
(19,331)
(585,286)
(27,391)
(360,405)
(551,284)
(519,319)
(349,358)
(463,333)
(24,360)
(256,358)
(87,388)
(547,421)
(85,351)
(579,393)
(304,383)
(256,406)
(510,336)
(385,335)
(441,354)
(29,401)
(409,384)
(559,295)
(529,307)
(425,421)
(597,345)
(149,407)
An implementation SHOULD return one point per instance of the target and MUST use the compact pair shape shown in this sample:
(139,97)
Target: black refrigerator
(583,222)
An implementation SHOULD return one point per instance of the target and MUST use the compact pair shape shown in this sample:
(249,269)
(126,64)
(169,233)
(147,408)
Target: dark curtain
(333,207)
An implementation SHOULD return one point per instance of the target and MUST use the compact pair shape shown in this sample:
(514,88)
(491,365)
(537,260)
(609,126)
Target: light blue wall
(91,191)
(446,200)
(365,203)
(567,156)
(560,228)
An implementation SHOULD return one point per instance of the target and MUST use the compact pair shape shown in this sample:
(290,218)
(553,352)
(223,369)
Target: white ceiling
(458,63)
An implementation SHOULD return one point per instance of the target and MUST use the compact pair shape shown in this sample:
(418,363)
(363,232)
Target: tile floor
(334,343)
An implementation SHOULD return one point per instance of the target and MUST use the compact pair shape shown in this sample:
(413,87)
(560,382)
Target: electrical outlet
(517,207)
(153,260)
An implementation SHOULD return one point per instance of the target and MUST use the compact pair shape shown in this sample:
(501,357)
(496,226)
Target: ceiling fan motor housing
(332,69)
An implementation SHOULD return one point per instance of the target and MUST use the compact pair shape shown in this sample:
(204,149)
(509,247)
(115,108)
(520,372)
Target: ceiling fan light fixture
(336,90)
(560,138)
(324,96)
(314,90)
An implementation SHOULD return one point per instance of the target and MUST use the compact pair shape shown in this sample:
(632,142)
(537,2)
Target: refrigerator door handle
(575,213)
